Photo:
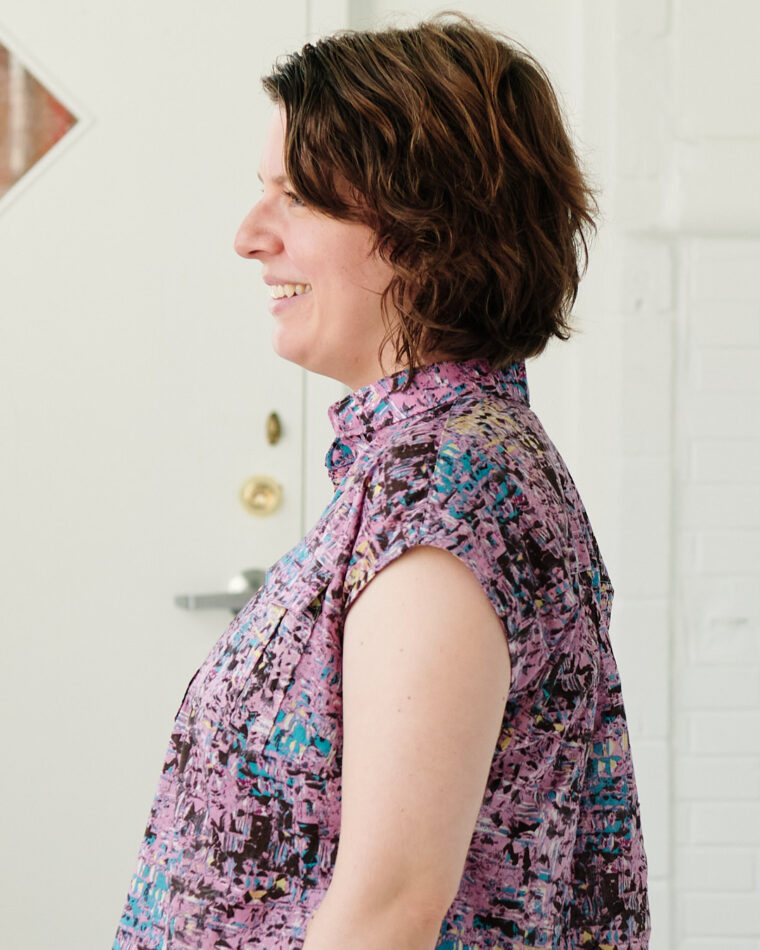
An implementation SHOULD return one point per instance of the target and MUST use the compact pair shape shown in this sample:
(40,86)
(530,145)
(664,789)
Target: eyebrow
(277,180)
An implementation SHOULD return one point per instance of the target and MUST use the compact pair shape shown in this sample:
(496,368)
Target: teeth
(288,290)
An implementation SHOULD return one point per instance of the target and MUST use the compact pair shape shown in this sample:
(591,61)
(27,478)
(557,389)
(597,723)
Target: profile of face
(325,282)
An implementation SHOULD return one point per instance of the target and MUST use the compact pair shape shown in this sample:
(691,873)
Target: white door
(137,379)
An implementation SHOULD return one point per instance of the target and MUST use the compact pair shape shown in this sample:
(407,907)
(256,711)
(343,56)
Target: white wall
(688,213)
(717,581)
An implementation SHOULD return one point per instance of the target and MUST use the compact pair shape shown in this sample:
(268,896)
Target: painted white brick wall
(716,698)
(686,222)
(638,205)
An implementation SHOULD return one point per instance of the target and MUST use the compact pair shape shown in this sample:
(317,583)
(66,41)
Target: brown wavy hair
(449,142)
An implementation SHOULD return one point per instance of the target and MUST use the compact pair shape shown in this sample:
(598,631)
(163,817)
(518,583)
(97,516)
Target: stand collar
(359,416)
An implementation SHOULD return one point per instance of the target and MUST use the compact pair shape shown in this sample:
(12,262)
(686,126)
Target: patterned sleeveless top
(242,836)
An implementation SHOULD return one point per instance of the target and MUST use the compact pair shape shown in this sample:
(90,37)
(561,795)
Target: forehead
(271,163)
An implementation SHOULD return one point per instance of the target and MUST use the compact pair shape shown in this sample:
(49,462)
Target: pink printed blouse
(242,836)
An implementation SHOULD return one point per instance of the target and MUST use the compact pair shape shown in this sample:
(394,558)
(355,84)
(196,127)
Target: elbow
(403,917)
(420,896)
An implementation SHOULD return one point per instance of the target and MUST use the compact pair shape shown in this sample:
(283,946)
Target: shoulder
(487,456)
(465,443)
(440,481)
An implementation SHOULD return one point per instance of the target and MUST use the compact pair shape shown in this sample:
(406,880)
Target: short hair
(449,142)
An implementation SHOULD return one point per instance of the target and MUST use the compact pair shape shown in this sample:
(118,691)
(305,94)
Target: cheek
(376,272)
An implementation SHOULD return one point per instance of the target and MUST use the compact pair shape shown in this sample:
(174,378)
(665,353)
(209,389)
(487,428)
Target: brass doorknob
(260,495)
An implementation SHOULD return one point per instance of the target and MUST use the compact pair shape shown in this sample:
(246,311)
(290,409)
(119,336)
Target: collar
(358,417)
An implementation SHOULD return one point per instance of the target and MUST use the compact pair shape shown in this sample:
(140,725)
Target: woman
(413,736)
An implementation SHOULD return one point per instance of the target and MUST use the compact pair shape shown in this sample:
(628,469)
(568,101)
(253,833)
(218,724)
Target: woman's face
(325,284)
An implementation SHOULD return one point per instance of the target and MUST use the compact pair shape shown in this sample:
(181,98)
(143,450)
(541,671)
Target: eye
(293,198)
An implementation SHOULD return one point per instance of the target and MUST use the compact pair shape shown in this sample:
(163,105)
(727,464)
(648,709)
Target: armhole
(459,544)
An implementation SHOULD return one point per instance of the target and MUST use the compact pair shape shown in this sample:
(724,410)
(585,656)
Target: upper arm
(425,682)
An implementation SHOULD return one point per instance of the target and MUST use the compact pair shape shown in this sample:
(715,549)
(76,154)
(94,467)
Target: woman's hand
(425,681)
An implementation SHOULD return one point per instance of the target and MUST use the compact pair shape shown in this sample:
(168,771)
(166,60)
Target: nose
(256,236)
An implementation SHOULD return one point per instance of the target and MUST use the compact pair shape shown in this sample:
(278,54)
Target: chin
(293,350)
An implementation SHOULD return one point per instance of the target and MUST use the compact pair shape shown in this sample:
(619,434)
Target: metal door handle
(241,588)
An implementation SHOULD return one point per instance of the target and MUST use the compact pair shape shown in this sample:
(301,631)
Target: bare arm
(425,682)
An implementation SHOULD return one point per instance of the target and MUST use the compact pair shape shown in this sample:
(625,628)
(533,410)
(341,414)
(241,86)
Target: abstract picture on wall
(32,120)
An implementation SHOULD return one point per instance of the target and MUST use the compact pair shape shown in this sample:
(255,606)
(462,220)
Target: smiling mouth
(279,291)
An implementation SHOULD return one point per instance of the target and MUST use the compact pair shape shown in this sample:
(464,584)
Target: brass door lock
(274,428)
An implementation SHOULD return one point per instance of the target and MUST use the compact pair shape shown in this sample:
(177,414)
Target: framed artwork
(32,120)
